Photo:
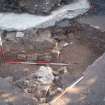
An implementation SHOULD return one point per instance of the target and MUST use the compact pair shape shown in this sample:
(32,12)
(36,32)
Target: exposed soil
(85,44)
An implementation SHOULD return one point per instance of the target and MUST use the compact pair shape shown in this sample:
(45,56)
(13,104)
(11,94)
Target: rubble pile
(30,6)
(38,83)
(44,84)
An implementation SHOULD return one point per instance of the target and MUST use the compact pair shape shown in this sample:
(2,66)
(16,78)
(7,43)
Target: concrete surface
(96,21)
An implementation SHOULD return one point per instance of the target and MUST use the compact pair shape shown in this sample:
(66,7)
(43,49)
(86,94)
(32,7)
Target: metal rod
(37,63)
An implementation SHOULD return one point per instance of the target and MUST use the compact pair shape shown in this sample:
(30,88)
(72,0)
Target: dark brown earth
(90,90)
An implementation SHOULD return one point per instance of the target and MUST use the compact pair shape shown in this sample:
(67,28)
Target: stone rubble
(38,6)
(40,84)
(43,83)
(30,6)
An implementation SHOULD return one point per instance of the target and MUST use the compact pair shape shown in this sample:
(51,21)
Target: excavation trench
(79,45)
